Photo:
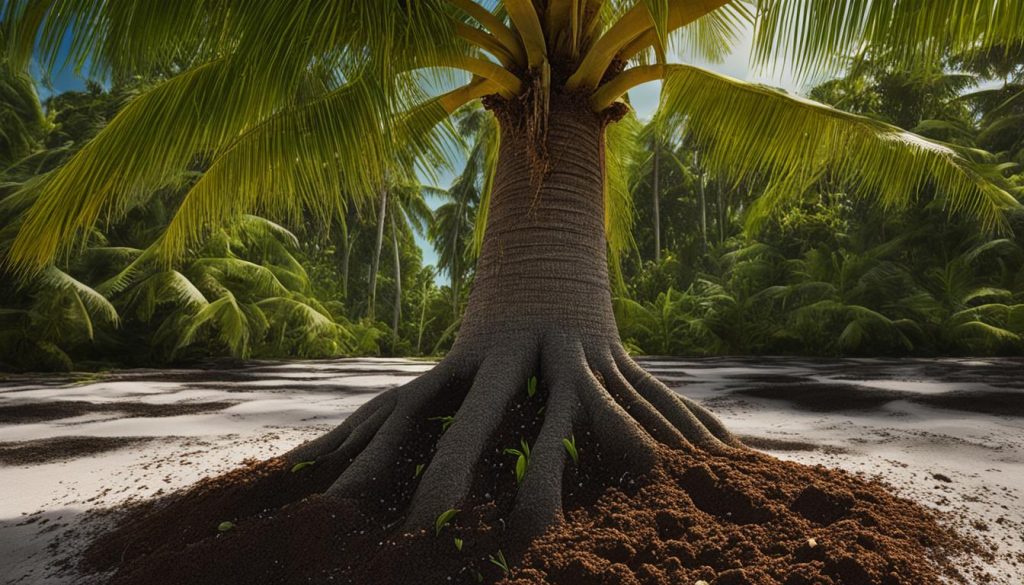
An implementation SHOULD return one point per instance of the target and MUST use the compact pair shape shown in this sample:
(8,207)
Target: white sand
(276,406)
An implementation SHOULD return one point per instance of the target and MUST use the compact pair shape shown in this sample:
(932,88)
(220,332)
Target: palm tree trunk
(423,318)
(397,315)
(371,304)
(540,306)
(655,196)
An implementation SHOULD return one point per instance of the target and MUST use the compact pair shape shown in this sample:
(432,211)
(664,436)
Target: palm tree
(302,100)
(21,117)
(242,290)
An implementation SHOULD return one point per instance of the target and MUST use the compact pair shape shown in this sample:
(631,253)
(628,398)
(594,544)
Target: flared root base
(468,475)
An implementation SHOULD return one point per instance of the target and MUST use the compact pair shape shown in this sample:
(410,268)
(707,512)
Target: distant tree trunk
(375,265)
(397,315)
(423,318)
(346,254)
(456,280)
(702,180)
(722,215)
(657,211)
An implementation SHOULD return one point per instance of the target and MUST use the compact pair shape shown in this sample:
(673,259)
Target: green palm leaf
(819,36)
(94,303)
(751,130)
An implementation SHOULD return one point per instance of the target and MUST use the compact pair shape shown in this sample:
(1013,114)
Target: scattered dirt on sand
(43,411)
(743,519)
(62,448)
(770,444)
(832,397)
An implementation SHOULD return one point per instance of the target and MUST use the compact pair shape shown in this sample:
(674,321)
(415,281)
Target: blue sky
(644,99)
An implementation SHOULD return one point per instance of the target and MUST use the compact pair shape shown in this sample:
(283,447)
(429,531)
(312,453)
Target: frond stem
(526,20)
(623,82)
(510,84)
(457,98)
(633,25)
(487,42)
(504,35)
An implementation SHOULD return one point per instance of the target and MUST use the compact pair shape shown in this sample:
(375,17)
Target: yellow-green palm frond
(231,320)
(622,150)
(711,37)
(244,88)
(752,131)
(163,287)
(314,157)
(485,150)
(90,303)
(280,39)
(258,279)
(819,36)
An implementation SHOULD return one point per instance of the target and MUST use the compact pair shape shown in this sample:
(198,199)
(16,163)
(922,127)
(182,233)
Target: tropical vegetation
(250,164)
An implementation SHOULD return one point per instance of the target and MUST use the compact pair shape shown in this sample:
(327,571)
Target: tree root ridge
(601,471)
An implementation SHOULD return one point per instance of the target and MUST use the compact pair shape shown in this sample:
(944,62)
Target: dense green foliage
(823,271)
(826,270)
(253,288)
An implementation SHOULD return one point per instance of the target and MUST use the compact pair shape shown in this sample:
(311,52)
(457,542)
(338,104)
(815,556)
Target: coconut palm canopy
(309,105)
(303,105)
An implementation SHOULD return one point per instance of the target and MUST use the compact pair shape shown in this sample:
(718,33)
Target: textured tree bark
(540,306)
(543,269)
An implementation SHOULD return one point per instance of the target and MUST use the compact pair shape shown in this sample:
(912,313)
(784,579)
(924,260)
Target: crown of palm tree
(306,104)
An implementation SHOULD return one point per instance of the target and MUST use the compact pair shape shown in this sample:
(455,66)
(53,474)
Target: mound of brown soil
(750,520)
(746,519)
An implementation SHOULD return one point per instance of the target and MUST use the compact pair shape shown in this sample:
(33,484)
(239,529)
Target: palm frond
(96,304)
(229,320)
(752,131)
(820,36)
(622,149)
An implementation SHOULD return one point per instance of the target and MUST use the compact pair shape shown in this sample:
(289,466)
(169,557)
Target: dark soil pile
(747,519)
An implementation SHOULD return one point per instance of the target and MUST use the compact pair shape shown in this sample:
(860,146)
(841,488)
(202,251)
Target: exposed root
(541,503)
(449,475)
(640,409)
(442,443)
(698,425)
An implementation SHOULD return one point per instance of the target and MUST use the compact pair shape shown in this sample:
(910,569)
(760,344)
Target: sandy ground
(946,433)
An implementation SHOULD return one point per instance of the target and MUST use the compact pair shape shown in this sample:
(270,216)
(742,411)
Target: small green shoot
(419,470)
(302,465)
(443,519)
(458,544)
(531,386)
(225,526)
(522,459)
(446,421)
(570,447)
(500,561)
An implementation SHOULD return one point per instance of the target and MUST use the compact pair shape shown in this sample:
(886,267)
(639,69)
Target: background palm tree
(299,103)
